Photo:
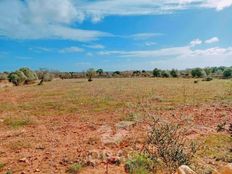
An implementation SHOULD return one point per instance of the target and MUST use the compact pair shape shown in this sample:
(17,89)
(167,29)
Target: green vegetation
(74,168)
(22,76)
(170,144)
(1,165)
(17,122)
(139,164)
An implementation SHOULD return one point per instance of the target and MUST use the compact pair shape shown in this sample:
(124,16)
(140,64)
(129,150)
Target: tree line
(25,75)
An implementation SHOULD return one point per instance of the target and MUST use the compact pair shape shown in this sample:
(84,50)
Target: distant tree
(100,72)
(65,75)
(116,73)
(90,73)
(174,73)
(31,76)
(136,73)
(44,75)
(227,73)
(3,76)
(208,71)
(17,78)
(198,72)
(157,72)
(165,74)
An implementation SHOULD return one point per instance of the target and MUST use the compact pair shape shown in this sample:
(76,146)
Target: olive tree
(90,73)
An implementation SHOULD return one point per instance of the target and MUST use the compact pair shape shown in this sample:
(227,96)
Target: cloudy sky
(74,35)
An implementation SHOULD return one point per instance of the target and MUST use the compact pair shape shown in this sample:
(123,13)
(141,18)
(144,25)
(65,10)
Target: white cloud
(195,42)
(217,4)
(71,50)
(95,46)
(177,57)
(150,43)
(143,36)
(53,19)
(212,40)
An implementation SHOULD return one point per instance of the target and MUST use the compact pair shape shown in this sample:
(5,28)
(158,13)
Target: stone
(226,169)
(24,160)
(185,170)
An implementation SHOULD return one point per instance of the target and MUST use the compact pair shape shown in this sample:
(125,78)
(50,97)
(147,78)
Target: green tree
(227,73)
(198,72)
(30,75)
(100,72)
(174,73)
(165,74)
(157,72)
(17,78)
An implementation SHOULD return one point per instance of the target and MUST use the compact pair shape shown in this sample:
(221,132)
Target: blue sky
(74,35)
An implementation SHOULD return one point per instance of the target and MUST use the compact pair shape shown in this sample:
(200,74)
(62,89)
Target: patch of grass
(218,147)
(139,164)
(17,122)
(74,168)
(20,144)
(1,165)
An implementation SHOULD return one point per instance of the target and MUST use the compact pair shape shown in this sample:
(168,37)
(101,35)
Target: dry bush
(166,142)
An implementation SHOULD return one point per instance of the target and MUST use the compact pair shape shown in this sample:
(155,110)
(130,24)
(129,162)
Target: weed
(166,142)
(74,168)
(1,165)
(139,164)
(221,127)
(15,122)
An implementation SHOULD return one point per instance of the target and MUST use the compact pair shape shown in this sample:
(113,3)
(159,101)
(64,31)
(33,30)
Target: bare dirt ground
(44,129)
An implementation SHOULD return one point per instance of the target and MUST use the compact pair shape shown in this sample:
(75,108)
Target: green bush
(139,164)
(165,74)
(74,168)
(174,73)
(198,72)
(156,72)
(227,73)
(170,144)
(17,78)
(30,75)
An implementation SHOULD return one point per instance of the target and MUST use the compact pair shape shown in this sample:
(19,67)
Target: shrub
(208,79)
(167,142)
(174,73)
(74,168)
(198,72)
(227,73)
(139,164)
(3,76)
(165,74)
(18,122)
(156,72)
(1,165)
(30,75)
(17,78)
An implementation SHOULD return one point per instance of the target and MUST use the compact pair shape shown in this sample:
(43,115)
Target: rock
(24,160)
(92,163)
(37,170)
(125,124)
(226,169)
(185,170)
(114,160)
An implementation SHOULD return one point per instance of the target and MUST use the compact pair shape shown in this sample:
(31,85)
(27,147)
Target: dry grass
(65,109)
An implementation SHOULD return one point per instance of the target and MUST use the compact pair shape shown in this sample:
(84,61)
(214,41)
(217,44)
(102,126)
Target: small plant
(9,172)
(167,143)
(139,164)
(1,165)
(74,168)
(17,122)
(221,127)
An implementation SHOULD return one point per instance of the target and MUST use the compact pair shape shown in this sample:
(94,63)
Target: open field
(45,129)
